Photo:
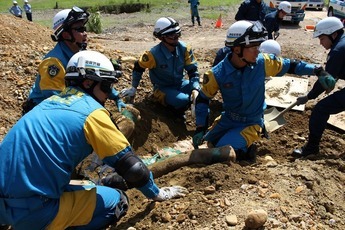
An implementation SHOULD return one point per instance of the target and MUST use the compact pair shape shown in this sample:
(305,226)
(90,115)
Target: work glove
(167,193)
(193,97)
(302,100)
(326,80)
(116,64)
(120,104)
(198,137)
(128,92)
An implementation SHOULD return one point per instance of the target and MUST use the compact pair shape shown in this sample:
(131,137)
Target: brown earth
(295,193)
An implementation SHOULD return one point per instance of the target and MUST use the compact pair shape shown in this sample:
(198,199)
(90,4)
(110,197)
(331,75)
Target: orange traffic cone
(219,22)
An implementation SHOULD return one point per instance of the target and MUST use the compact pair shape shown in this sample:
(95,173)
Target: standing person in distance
(28,10)
(16,10)
(36,161)
(168,62)
(272,20)
(194,12)
(330,32)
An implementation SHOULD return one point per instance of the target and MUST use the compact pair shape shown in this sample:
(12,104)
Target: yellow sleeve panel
(189,57)
(272,66)
(52,74)
(103,135)
(209,85)
(147,61)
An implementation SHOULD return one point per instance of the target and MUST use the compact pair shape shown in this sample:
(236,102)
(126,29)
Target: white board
(338,120)
(283,91)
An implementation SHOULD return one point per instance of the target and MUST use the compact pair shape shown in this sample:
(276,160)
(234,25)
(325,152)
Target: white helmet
(245,32)
(285,6)
(15,2)
(327,26)
(166,25)
(26,1)
(65,18)
(91,65)
(271,47)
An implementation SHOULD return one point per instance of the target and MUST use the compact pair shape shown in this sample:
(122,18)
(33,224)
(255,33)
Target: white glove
(167,193)
(193,97)
(128,92)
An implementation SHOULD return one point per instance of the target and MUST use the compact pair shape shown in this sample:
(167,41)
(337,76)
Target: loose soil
(295,193)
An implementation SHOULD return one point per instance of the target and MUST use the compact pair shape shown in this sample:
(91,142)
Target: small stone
(256,218)
(231,220)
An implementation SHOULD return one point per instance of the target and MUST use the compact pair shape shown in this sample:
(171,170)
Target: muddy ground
(295,193)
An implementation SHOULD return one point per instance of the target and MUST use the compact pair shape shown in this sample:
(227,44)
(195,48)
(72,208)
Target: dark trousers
(29,16)
(332,104)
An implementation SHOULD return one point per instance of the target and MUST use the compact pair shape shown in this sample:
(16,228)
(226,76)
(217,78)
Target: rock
(231,220)
(256,218)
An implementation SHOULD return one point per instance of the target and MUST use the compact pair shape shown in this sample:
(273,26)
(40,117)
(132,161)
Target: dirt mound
(296,194)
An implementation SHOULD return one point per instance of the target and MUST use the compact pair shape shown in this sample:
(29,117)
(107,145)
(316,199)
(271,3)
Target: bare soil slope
(296,194)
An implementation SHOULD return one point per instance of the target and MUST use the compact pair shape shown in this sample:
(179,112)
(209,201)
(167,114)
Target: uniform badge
(53,70)
(145,58)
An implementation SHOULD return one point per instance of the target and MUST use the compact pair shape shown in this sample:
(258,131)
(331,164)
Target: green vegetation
(51,4)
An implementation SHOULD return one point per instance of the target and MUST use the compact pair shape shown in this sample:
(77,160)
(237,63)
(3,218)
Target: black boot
(198,20)
(312,147)
(249,156)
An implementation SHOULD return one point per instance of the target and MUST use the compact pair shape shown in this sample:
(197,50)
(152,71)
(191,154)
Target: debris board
(283,91)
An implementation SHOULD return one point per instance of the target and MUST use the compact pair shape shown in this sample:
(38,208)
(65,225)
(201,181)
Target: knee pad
(133,170)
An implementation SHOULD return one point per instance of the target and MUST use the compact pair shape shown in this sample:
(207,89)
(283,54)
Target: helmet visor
(76,14)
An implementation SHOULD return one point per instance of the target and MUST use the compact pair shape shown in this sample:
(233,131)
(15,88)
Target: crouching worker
(41,151)
(240,78)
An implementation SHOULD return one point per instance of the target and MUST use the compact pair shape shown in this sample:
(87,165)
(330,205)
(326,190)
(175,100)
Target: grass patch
(63,4)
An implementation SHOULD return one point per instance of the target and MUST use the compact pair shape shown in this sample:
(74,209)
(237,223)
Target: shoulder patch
(53,70)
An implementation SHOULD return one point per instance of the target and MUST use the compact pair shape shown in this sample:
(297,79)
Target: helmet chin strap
(82,45)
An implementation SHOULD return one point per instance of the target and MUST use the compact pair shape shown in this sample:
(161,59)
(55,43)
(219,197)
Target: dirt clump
(295,193)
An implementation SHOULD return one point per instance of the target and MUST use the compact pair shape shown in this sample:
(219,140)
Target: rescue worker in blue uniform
(16,10)
(251,10)
(71,37)
(194,12)
(41,150)
(331,35)
(240,78)
(272,20)
(168,62)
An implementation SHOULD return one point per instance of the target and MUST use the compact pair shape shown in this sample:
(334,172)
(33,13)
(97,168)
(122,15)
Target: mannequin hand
(167,193)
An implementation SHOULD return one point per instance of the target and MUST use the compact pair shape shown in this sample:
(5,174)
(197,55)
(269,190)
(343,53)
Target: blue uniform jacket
(243,90)
(271,23)
(167,69)
(55,137)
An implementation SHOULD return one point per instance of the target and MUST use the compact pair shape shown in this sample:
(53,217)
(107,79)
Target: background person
(194,12)
(272,20)
(28,10)
(240,78)
(36,161)
(251,10)
(331,35)
(16,10)
(71,37)
(167,63)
